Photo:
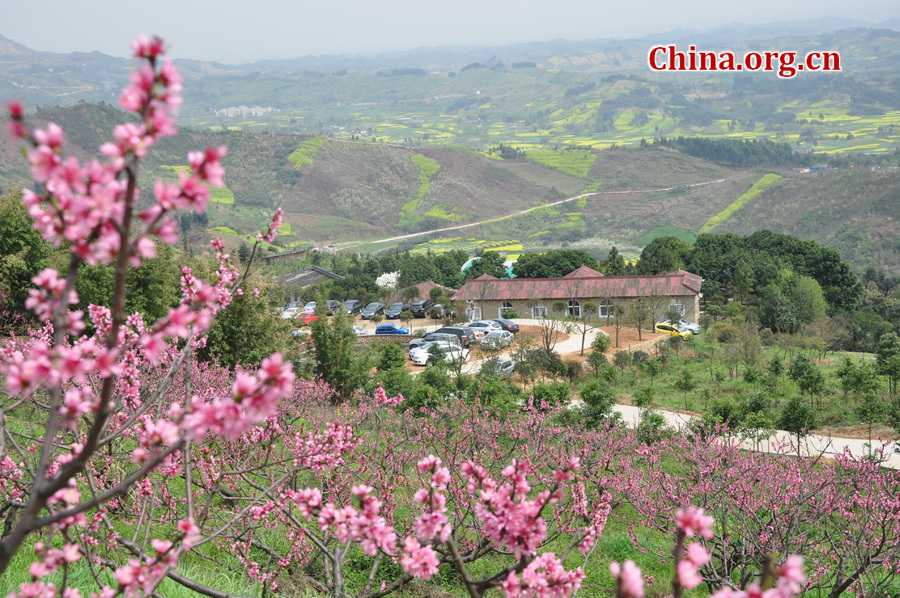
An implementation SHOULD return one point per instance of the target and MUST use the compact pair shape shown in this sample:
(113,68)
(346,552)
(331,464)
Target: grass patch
(306,152)
(427,169)
(441,211)
(757,188)
(574,162)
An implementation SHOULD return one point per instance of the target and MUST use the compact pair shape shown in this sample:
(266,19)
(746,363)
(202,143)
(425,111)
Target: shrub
(639,357)
(392,356)
(574,370)
(510,314)
(727,334)
(752,375)
(727,412)
(644,397)
(555,394)
(622,359)
(651,427)
(595,360)
(601,343)
(599,398)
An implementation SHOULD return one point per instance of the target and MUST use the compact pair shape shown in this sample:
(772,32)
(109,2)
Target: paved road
(811,445)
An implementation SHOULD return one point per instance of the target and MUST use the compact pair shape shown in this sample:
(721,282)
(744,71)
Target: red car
(307,316)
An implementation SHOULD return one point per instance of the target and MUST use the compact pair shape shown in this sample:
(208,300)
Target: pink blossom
(628,577)
(417,560)
(693,521)
(687,576)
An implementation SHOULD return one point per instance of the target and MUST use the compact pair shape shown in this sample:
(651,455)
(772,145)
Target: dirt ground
(859,431)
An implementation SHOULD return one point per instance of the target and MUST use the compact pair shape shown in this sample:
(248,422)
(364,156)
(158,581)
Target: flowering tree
(96,389)
(842,516)
(142,454)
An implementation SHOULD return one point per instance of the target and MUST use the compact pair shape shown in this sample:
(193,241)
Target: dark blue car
(391,328)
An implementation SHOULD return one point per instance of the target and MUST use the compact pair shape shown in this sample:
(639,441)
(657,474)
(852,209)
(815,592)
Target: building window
(539,311)
(474,313)
(506,305)
(679,307)
(574,309)
(605,311)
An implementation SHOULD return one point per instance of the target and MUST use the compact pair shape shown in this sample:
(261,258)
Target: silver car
(497,339)
(503,368)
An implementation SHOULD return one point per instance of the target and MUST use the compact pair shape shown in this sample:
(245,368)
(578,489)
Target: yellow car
(673,330)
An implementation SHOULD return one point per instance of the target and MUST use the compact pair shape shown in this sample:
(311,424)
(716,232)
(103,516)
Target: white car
(421,356)
(485,326)
(497,339)
(360,331)
(289,313)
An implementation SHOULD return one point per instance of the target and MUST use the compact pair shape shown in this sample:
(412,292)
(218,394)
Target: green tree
(807,297)
(244,253)
(337,362)
(490,263)
(685,383)
(246,331)
(23,253)
(797,418)
(887,354)
(663,255)
(553,264)
(599,398)
(410,293)
(415,269)
(615,263)
(392,356)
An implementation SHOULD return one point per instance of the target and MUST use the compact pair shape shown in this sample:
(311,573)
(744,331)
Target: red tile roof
(488,288)
(583,271)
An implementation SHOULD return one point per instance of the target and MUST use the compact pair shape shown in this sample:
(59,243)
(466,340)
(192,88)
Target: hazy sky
(236,32)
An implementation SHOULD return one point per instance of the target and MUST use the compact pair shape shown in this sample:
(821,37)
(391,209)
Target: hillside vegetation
(334,189)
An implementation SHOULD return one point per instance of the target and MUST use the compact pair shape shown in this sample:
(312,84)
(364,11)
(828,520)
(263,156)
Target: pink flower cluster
(511,520)
(253,399)
(693,521)
(544,577)
(365,526)
(628,578)
(789,583)
(431,525)
(382,399)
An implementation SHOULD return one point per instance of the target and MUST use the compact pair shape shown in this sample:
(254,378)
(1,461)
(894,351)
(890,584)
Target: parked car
(444,311)
(391,328)
(497,339)
(465,334)
(310,306)
(694,328)
(289,313)
(503,368)
(422,357)
(360,331)
(485,326)
(395,310)
(673,330)
(434,336)
(352,306)
(332,306)
(417,352)
(507,325)
(307,316)
(420,308)
(372,309)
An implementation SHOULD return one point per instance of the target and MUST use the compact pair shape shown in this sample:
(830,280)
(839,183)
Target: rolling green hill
(359,191)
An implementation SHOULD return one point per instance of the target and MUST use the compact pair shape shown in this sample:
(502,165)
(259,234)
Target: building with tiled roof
(490,297)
